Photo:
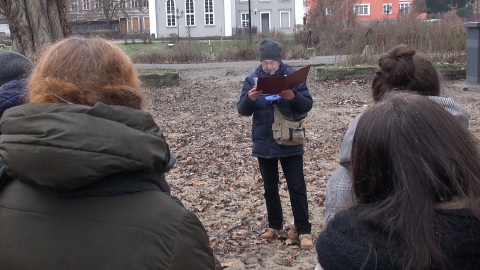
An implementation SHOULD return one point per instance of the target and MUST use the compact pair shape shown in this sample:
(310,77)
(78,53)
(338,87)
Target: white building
(205,18)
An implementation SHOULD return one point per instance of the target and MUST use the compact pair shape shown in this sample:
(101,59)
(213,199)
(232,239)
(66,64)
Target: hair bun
(402,51)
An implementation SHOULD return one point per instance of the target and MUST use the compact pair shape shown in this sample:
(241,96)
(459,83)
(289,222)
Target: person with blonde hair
(86,169)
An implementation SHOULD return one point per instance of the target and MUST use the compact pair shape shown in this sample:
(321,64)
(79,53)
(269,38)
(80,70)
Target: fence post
(473,52)
(309,38)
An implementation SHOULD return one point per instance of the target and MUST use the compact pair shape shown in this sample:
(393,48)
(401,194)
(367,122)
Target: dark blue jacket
(12,94)
(264,145)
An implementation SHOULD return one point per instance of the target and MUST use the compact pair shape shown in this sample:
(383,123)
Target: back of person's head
(14,66)
(409,155)
(402,69)
(14,70)
(85,71)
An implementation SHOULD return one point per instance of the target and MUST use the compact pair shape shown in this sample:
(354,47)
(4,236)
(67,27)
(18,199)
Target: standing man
(295,103)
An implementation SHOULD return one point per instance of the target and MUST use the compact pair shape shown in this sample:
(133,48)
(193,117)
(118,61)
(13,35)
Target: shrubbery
(443,41)
(179,53)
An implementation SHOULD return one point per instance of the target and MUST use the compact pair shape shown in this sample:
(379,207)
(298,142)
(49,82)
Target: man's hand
(253,94)
(287,94)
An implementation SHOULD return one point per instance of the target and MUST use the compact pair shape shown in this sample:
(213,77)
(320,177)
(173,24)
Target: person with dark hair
(15,69)
(87,168)
(13,79)
(416,180)
(295,103)
(399,69)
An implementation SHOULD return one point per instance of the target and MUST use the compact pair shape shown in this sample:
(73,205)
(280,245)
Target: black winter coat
(88,192)
(264,145)
(348,244)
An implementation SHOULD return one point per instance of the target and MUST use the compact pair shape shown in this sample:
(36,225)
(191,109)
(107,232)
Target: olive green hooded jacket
(85,193)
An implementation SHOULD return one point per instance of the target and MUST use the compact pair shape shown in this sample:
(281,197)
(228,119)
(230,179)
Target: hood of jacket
(68,146)
(12,94)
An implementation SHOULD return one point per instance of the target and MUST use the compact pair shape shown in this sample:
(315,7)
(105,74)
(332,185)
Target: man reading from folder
(295,103)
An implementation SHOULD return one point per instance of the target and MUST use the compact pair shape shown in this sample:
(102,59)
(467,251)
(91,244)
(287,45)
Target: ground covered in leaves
(217,178)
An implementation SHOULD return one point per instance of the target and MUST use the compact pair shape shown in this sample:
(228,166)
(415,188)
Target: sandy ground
(217,178)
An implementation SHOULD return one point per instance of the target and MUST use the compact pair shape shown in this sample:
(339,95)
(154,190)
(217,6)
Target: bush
(103,33)
(238,51)
(333,37)
(297,52)
(153,56)
(442,40)
(185,52)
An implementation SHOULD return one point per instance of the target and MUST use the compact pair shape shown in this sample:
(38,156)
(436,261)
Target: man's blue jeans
(292,168)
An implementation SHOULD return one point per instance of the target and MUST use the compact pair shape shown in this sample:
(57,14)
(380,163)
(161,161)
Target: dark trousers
(292,167)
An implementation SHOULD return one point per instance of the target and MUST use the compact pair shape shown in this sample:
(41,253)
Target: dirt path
(218,179)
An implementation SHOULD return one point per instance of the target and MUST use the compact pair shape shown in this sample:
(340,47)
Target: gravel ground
(217,178)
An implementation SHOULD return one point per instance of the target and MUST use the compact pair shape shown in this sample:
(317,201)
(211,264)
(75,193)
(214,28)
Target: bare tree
(332,11)
(111,9)
(35,23)
(329,21)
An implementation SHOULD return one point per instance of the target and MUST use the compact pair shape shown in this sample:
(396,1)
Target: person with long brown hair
(416,180)
(399,69)
(86,169)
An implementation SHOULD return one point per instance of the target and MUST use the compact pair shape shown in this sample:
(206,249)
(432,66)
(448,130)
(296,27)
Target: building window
(123,4)
(86,5)
(96,4)
(190,12)
(209,12)
(362,10)
(146,22)
(328,11)
(171,19)
(387,8)
(74,6)
(285,19)
(244,19)
(135,24)
(134,4)
(145,3)
(404,7)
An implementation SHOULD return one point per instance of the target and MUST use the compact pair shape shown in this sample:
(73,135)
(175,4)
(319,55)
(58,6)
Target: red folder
(275,84)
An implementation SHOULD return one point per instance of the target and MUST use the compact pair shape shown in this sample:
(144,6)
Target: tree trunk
(35,23)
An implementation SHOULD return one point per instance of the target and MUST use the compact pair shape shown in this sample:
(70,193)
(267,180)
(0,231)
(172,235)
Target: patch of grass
(6,49)
(142,47)
(181,52)
(443,65)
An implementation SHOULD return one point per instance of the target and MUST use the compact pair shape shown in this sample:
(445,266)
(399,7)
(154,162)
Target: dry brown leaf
(226,264)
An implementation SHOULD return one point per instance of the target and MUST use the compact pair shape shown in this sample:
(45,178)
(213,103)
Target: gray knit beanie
(13,66)
(271,50)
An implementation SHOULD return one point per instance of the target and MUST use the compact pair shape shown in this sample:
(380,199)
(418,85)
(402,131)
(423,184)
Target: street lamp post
(250,21)
(389,10)
(178,23)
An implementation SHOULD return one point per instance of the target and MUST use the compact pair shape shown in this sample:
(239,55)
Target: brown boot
(305,241)
(269,234)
